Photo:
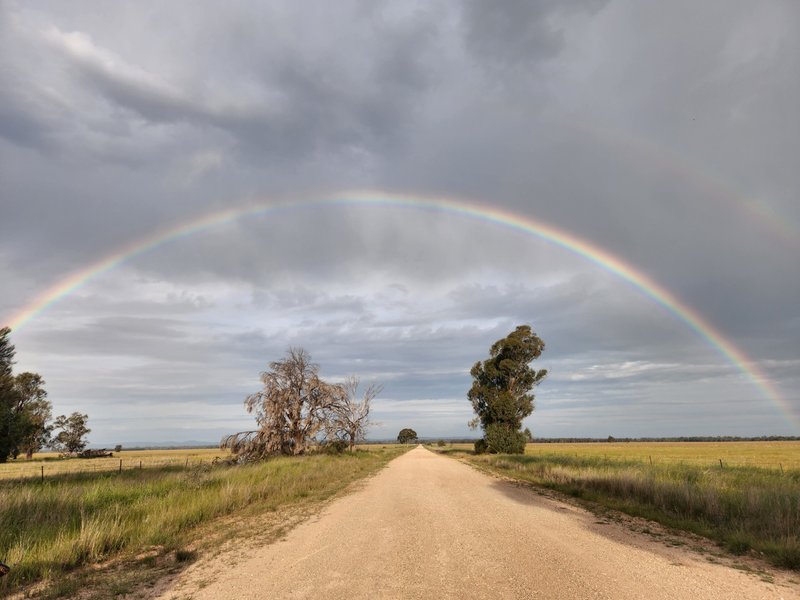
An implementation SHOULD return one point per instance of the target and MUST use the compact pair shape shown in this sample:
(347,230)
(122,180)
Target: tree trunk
(299,446)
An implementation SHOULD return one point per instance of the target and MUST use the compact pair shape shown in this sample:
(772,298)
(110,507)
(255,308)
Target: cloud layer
(664,134)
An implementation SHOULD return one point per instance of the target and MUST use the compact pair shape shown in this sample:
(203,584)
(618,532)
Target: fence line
(42,471)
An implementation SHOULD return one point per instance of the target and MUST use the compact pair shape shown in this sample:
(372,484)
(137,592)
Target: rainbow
(484,213)
(643,151)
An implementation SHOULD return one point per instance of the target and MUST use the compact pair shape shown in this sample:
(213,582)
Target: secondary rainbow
(489,214)
(644,151)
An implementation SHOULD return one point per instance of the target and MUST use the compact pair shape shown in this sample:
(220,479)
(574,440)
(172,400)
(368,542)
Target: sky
(189,189)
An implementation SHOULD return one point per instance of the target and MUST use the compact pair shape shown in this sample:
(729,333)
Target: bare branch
(290,409)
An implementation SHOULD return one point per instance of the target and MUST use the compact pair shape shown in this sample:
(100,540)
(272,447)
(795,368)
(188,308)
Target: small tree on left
(73,429)
(8,397)
(24,408)
(36,412)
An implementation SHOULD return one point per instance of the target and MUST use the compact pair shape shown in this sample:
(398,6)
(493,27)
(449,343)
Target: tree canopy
(24,408)
(407,436)
(35,413)
(501,393)
(73,429)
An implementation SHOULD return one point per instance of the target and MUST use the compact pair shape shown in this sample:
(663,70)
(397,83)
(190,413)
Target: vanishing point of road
(428,526)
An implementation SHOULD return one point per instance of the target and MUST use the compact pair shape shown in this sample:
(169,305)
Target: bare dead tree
(348,419)
(290,409)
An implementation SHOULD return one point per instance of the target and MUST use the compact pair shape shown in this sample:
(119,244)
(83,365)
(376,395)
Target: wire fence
(49,468)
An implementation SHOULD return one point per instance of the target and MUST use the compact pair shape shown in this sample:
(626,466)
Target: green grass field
(49,528)
(749,504)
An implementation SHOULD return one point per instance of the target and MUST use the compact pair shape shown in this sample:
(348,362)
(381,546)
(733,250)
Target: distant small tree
(407,436)
(118,448)
(528,435)
(73,429)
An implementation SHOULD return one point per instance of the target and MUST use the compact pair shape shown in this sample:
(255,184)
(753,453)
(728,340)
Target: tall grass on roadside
(50,527)
(744,508)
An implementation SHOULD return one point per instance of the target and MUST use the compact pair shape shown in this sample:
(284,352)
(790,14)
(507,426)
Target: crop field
(768,455)
(49,464)
(771,455)
(749,502)
(71,519)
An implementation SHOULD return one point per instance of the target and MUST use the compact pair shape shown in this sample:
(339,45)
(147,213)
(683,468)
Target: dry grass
(771,455)
(131,459)
(768,455)
(75,519)
(748,504)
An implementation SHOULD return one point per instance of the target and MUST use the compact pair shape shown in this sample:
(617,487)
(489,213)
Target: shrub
(334,447)
(480,446)
(503,439)
(441,443)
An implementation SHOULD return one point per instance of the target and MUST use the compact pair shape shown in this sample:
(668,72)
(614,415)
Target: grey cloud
(664,141)
(304,104)
(519,33)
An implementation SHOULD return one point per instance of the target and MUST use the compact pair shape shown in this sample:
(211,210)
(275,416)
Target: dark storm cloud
(624,145)
(300,103)
(519,33)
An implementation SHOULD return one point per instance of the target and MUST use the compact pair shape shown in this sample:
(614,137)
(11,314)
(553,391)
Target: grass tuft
(745,508)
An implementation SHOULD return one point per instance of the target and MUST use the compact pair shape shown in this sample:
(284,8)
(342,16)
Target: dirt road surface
(428,526)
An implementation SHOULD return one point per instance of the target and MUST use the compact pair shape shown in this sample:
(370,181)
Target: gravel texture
(428,526)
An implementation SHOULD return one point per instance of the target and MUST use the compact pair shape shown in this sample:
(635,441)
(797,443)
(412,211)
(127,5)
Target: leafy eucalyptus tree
(407,436)
(8,397)
(501,392)
(71,438)
(24,408)
(35,412)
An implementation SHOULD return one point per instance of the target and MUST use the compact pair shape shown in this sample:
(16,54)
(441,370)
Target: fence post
(120,465)
(720,464)
(42,473)
(140,464)
(651,460)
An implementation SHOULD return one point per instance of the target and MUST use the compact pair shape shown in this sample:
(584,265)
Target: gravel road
(428,526)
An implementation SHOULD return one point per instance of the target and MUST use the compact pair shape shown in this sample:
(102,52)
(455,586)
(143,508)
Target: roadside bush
(334,447)
(502,439)
(480,446)
(441,443)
